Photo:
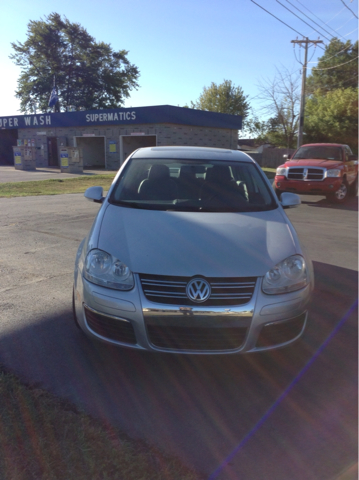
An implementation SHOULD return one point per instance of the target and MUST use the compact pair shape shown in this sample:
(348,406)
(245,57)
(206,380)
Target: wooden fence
(271,157)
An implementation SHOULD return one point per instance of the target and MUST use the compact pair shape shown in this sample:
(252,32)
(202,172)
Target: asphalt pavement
(287,414)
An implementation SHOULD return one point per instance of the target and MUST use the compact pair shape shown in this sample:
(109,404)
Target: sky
(181,46)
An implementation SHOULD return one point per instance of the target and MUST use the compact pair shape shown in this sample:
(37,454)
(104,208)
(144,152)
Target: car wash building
(107,137)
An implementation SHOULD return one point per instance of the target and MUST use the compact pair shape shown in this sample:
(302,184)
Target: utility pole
(304,77)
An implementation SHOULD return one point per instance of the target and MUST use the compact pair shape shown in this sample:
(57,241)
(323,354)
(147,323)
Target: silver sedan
(192,252)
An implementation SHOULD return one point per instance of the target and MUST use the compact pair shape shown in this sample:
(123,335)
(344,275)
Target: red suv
(328,169)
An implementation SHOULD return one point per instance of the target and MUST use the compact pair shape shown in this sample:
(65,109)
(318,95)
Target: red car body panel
(324,186)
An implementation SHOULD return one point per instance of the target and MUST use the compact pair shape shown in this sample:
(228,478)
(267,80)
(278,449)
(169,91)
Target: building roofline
(124,116)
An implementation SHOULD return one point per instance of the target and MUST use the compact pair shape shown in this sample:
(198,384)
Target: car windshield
(319,152)
(192,185)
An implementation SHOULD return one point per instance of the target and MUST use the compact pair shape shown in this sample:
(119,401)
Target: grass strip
(67,185)
(55,186)
(44,438)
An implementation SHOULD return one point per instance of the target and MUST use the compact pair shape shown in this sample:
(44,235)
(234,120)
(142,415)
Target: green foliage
(223,98)
(331,113)
(255,128)
(333,117)
(89,74)
(327,78)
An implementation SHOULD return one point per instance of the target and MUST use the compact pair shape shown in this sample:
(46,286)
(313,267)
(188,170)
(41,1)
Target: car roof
(194,153)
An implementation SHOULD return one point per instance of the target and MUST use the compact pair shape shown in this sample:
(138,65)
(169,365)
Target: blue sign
(125,116)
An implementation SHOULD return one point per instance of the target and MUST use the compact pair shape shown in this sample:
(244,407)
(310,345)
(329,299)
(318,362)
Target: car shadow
(201,408)
(351,204)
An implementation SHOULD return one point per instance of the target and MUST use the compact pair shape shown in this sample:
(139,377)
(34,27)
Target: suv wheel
(341,195)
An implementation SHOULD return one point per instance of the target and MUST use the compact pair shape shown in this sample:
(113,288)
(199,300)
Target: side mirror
(287,156)
(95,194)
(290,200)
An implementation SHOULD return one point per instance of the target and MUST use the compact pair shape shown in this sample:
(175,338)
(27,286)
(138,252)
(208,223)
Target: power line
(299,10)
(349,9)
(346,48)
(336,66)
(355,29)
(344,81)
(296,31)
(289,10)
(316,16)
(299,60)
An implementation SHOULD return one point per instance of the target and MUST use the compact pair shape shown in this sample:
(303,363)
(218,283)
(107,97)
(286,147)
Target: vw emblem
(198,290)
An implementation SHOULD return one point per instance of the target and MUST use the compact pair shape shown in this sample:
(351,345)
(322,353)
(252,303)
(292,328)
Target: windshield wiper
(182,208)
(121,203)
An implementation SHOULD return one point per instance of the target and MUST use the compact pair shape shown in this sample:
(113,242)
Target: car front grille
(172,290)
(306,173)
(280,332)
(194,338)
(110,327)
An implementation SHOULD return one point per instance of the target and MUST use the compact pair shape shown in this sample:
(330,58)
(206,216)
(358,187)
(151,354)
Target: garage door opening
(130,143)
(93,151)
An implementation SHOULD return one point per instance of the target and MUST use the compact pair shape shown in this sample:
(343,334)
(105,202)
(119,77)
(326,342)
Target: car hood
(313,162)
(196,243)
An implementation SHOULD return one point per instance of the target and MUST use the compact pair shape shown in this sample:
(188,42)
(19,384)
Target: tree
(325,77)
(281,102)
(333,117)
(89,74)
(256,129)
(223,98)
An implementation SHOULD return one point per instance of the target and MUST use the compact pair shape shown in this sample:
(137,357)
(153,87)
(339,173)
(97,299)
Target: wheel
(341,195)
(353,189)
(74,310)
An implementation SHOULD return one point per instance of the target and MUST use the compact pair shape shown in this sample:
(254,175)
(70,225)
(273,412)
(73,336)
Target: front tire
(341,195)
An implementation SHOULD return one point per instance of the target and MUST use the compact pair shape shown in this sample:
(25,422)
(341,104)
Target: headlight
(287,276)
(104,269)
(281,171)
(334,173)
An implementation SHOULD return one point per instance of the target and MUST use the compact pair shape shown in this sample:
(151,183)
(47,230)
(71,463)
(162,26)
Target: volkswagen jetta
(192,252)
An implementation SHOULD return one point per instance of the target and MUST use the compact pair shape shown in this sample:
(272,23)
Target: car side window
(348,152)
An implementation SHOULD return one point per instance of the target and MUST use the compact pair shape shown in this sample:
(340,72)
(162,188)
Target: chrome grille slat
(172,290)
(163,294)
(312,173)
(225,295)
(233,286)
(159,282)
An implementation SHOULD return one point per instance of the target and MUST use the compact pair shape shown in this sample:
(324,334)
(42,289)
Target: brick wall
(167,134)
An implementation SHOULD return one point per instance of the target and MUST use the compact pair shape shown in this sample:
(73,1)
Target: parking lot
(291,413)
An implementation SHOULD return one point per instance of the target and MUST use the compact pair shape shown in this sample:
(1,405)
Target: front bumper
(129,319)
(323,187)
